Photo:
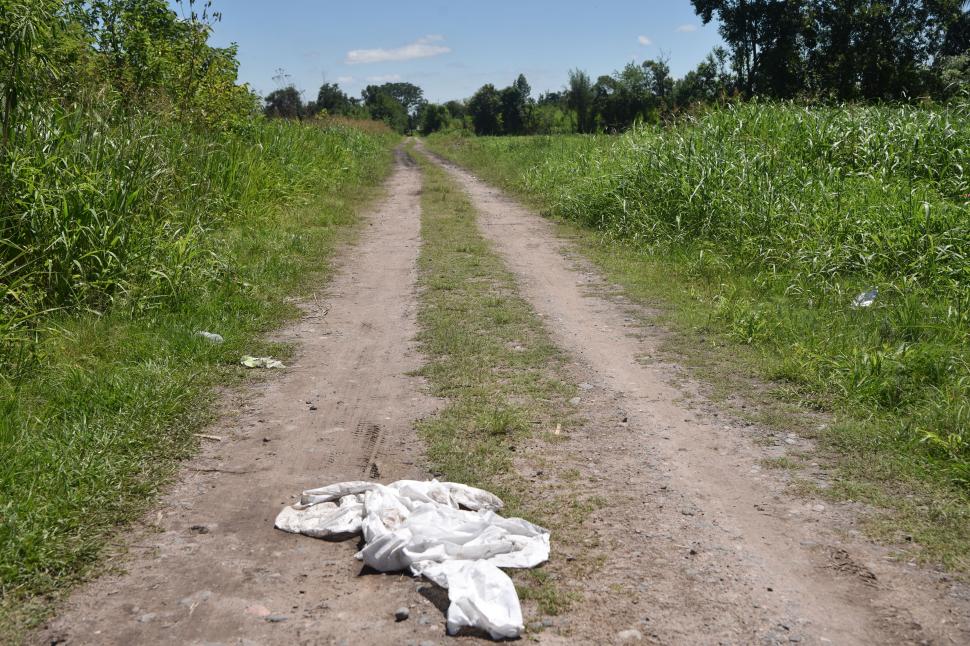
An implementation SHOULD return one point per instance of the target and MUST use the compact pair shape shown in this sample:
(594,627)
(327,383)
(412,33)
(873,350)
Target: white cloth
(444,531)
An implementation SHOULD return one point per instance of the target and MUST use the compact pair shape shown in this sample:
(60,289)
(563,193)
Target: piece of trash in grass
(865,299)
(558,429)
(261,362)
(447,532)
(210,336)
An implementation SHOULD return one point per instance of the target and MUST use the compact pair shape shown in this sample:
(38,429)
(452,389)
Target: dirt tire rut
(215,570)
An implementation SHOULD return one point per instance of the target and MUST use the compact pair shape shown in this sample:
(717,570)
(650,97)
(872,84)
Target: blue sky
(452,48)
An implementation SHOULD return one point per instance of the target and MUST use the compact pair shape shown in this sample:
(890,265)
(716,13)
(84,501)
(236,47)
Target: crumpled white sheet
(447,532)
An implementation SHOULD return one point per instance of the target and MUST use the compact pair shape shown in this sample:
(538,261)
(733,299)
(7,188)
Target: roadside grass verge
(752,263)
(100,407)
(503,379)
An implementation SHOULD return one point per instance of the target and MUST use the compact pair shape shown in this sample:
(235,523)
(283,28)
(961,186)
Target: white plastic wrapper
(444,531)
(866,299)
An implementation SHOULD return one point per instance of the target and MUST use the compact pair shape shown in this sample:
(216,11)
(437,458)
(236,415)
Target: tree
(410,96)
(432,118)
(765,39)
(659,80)
(883,50)
(456,109)
(284,103)
(579,98)
(384,107)
(523,87)
(707,83)
(407,96)
(849,49)
(954,75)
(515,106)
(624,97)
(485,108)
(332,99)
(550,118)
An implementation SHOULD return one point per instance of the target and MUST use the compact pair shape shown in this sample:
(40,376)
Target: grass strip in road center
(503,379)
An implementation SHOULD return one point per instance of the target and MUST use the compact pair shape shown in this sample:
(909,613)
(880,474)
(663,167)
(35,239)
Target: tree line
(818,50)
(844,49)
(396,104)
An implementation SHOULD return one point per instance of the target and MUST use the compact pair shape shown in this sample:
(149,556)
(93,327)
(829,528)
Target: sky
(450,49)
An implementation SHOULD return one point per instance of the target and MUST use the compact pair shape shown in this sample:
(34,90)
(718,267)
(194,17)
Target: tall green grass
(103,209)
(121,239)
(774,217)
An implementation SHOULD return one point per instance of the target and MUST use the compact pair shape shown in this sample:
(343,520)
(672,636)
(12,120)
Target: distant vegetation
(809,50)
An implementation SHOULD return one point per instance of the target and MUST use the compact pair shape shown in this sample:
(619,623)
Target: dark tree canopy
(384,107)
(848,49)
(410,96)
(432,118)
(515,106)
(580,97)
(485,108)
(332,99)
(285,103)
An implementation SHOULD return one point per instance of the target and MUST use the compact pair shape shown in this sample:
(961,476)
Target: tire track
(216,571)
(700,544)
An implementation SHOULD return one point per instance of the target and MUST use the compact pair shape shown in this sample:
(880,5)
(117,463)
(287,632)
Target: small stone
(148,616)
(426,643)
(195,599)
(629,635)
(199,529)
(258,611)
(401,614)
(424,620)
(575,401)
(548,622)
(266,439)
(586,386)
(275,619)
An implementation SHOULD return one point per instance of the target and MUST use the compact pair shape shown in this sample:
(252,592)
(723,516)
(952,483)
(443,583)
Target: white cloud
(643,40)
(384,78)
(686,29)
(421,48)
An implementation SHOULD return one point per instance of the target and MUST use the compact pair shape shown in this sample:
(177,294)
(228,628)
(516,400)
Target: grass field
(754,227)
(126,242)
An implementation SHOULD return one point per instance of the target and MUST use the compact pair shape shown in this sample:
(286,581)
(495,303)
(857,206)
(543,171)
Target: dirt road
(216,571)
(703,545)
(699,543)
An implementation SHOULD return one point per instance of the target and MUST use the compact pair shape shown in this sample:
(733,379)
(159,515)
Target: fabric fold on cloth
(446,532)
